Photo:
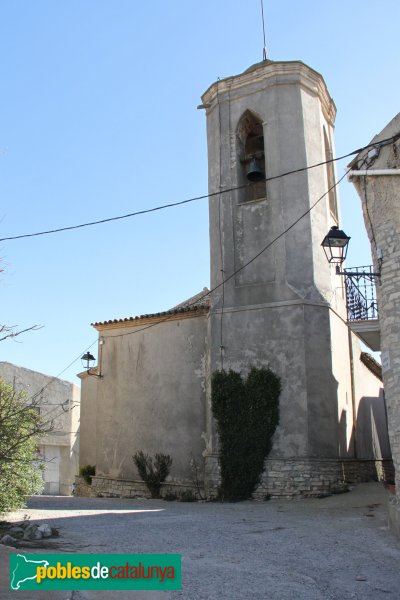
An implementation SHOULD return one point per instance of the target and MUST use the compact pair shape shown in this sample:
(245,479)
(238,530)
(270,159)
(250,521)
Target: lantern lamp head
(87,360)
(335,245)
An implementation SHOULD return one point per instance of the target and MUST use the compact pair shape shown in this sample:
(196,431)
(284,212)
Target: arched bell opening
(251,154)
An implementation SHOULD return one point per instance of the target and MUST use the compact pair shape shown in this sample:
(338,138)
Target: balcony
(362,308)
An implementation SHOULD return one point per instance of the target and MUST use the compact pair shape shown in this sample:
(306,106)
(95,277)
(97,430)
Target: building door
(51,473)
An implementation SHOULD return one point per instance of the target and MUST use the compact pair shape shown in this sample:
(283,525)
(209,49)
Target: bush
(247,414)
(87,472)
(188,496)
(153,475)
(20,429)
(170,497)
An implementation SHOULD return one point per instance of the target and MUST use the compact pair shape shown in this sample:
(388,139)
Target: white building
(59,404)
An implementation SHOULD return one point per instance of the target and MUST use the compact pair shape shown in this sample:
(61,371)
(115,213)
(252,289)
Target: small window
(251,153)
(330,176)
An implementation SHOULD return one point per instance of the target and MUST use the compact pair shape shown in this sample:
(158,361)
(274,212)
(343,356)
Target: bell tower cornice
(268,74)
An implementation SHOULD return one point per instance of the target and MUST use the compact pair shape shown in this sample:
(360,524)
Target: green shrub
(20,430)
(153,474)
(247,414)
(87,472)
(170,497)
(187,496)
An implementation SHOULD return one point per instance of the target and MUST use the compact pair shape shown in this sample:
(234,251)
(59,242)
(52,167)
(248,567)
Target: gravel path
(337,548)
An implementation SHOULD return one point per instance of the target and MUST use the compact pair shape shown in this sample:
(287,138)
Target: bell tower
(280,305)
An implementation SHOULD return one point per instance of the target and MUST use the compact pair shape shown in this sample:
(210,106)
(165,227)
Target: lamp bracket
(99,375)
(358,274)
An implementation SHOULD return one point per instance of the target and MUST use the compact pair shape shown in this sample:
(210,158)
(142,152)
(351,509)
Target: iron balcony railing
(361,294)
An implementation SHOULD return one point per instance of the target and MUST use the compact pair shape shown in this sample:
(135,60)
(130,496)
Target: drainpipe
(373,172)
(100,361)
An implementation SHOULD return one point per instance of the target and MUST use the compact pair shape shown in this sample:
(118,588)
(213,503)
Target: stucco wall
(372,437)
(276,311)
(151,397)
(294,106)
(286,309)
(88,426)
(341,368)
(59,403)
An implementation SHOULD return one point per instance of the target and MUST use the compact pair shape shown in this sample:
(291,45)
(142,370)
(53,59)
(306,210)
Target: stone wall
(379,190)
(313,477)
(282,478)
(308,477)
(106,487)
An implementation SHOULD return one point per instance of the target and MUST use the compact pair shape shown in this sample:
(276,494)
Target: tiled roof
(199,303)
(371,364)
(200,299)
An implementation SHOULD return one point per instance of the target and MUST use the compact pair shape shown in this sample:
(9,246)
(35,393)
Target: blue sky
(98,118)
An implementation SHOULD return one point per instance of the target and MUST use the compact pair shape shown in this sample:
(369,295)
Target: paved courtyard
(336,548)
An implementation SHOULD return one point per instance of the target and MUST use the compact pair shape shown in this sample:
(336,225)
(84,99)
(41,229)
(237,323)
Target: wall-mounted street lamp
(359,283)
(87,361)
(335,245)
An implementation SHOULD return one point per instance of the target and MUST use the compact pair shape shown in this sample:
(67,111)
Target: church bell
(255,172)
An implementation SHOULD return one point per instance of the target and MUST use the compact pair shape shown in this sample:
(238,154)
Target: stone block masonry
(106,487)
(315,477)
(379,191)
(282,478)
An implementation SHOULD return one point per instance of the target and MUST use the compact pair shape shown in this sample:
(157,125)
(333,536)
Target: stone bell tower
(281,306)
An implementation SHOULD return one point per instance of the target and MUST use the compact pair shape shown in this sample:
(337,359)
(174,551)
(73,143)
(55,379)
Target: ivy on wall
(247,414)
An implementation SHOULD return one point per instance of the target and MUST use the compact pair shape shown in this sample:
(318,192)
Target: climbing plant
(247,414)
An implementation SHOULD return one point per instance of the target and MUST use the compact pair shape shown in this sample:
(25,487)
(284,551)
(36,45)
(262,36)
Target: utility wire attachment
(265,53)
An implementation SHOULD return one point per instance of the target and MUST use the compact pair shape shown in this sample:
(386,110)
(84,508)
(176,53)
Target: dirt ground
(336,548)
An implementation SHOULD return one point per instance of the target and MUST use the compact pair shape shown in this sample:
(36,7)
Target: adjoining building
(375,173)
(58,402)
(274,302)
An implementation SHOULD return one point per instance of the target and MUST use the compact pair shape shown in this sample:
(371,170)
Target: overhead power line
(234,273)
(222,283)
(189,200)
(40,392)
(264,249)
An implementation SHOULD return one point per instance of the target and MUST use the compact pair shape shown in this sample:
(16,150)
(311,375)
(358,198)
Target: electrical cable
(196,198)
(34,396)
(382,142)
(236,271)
(223,282)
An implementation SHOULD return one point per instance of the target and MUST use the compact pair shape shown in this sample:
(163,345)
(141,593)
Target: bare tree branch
(9,331)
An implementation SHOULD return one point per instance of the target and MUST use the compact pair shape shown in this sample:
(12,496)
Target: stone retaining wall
(106,487)
(282,478)
(313,477)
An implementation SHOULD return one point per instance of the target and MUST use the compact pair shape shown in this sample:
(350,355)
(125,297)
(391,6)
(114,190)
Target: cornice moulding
(270,75)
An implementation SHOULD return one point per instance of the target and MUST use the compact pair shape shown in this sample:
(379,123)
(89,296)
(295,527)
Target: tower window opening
(330,176)
(251,154)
